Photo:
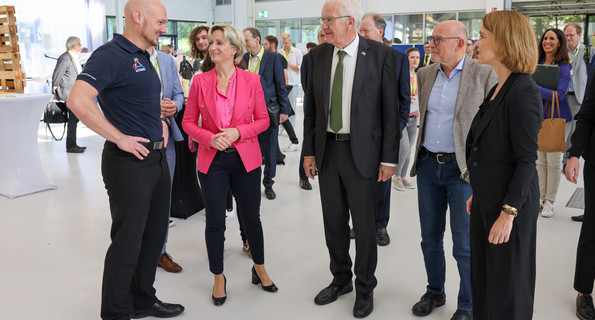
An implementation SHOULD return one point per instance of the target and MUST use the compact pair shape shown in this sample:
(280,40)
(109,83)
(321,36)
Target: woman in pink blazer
(232,111)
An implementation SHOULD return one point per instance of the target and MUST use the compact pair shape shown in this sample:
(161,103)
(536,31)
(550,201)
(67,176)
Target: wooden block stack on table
(11,77)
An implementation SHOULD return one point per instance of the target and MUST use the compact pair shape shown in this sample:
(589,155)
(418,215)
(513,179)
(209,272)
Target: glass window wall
(293,27)
(408,28)
(309,29)
(472,21)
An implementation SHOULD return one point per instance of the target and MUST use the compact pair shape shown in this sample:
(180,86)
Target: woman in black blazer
(501,154)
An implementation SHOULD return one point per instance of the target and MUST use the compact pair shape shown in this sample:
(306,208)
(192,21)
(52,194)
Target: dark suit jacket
(64,75)
(272,79)
(501,146)
(404,87)
(374,106)
(584,134)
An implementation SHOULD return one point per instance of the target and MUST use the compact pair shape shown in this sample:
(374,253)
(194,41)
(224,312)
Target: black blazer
(502,146)
(404,87)
(374,106)
(584,133)
(272,79)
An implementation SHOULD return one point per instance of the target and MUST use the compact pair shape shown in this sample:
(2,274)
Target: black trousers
(344,190)
(503,275)
(584,274)
(138,192)
(290,132)
(227,171)
(383,210)
(71,129)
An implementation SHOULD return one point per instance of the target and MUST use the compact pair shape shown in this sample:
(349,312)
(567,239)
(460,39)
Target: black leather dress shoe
(462,315)
(269,193)
(427,303)
(76,149)
(584,307)
(159,310)
(332,292)
(382,238)
(364,304)
(305,184)
(578,218)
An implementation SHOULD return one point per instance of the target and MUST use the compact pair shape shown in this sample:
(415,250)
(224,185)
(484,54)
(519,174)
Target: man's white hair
(350,8)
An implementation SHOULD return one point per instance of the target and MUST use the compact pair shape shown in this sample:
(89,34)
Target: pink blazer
(250,117)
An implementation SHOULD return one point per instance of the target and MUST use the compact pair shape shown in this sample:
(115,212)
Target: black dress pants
(343,190)
(138,192)
(503,275)
(71,129)
(584,274)
(227,171)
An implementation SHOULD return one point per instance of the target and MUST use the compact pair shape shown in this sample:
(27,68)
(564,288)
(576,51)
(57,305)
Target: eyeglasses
(438,39)
(330,21)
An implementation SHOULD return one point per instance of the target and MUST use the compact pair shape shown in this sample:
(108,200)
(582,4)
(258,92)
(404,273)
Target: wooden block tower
(11,77)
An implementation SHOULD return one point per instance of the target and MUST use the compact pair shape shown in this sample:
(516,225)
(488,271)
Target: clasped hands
(224,138)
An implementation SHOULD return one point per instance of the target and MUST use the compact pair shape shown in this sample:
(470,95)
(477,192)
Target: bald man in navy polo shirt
(134,164)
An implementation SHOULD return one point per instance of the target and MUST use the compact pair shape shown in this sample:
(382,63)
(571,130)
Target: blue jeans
(439,186)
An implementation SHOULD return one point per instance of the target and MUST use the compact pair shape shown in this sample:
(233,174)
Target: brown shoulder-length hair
(561,56)
(514,40)
(194,52)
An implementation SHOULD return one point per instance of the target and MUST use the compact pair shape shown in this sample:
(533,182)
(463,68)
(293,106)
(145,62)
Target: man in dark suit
(351,130)
(373,26)
(584,145)
(67,68)
(268,65)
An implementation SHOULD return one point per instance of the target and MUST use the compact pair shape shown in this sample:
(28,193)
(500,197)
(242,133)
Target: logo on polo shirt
(138,67)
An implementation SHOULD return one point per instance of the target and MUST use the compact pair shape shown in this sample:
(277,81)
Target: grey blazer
(64,75)
(476,82)
(579,74)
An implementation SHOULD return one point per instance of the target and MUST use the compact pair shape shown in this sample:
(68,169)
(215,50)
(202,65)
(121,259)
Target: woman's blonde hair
(514,40)
(235,36)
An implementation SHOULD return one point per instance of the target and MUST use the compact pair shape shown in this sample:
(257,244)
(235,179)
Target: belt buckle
(438,158)
(158,145)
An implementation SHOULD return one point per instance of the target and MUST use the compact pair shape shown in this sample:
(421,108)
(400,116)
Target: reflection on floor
(54,243)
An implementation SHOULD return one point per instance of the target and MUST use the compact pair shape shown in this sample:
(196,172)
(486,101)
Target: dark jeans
(268,144)
(227,171)
(71,129)
(439,188)
(138,192)
(584,274)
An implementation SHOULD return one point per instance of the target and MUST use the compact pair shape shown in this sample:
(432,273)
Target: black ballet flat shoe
(256,280)
(220,301)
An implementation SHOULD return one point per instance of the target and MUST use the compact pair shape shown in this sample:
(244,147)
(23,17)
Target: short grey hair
(350,8)
(72,42)
(379,21)
(234,35)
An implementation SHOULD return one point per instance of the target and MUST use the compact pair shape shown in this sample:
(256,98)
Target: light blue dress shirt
(440,111)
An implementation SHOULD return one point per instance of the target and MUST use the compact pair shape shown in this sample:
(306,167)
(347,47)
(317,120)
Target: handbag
(551,136)
(274,113)
(55,112)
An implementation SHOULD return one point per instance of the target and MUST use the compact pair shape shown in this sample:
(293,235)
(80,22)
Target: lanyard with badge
(253,70)
(414,84)
(571,57)
(286,55)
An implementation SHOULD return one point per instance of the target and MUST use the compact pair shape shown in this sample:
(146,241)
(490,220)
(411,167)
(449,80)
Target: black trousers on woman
(227,171)
(584,274)
(503,275)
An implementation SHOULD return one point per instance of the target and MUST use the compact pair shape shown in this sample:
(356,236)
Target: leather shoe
(462,315)
(332,292)
(168,264)
(305,184)
(364,304)
(382,238)
(159,310)
(427,303)
(269,193)
(578,218)
(256,280)
(76,149)
(584,307)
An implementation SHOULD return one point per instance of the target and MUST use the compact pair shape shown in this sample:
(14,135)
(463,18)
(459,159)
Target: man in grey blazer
(65,73)
(576,87)
(450,92)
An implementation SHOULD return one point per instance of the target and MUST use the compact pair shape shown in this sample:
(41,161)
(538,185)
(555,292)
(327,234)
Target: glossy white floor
(54,243)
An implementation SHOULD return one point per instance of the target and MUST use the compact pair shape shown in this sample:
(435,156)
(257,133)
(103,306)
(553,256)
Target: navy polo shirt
(129,88)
